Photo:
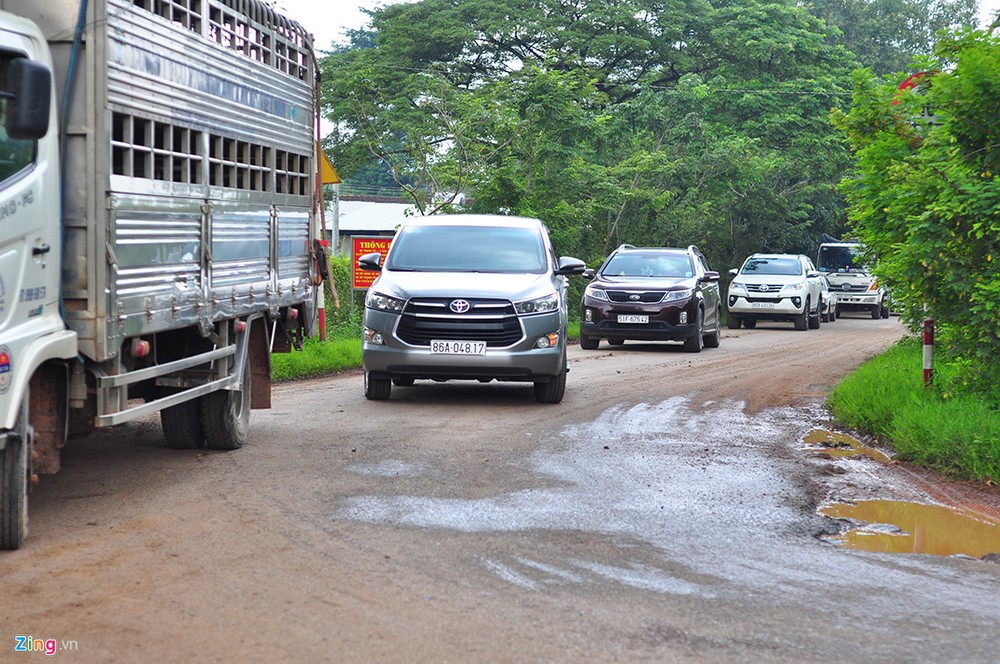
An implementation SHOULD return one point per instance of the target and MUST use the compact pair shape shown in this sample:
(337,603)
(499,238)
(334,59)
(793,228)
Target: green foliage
(634,121)
(948,428)
(926,196)
(886,35)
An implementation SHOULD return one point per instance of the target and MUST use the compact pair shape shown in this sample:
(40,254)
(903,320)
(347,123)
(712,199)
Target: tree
(886,35)
(925,198)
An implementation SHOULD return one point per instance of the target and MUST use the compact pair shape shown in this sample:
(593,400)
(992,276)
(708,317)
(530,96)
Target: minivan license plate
(633,318)
(458,347)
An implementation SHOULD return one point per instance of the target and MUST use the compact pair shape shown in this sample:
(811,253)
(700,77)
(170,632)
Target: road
(664,511)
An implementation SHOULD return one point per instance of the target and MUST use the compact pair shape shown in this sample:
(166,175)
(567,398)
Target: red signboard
(362,279)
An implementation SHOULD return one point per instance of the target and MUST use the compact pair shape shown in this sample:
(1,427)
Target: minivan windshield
(772,265)
(468,249)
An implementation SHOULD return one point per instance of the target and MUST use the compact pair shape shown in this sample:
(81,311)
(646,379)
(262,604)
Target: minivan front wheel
(552,391)
(377,388)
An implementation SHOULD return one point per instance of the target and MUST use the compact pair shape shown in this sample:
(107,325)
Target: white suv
(778,287)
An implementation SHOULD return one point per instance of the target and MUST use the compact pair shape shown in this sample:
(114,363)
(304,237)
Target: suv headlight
(675,295)
(737,285)
(539,306)
(596,293)
(794,287)
(384,302)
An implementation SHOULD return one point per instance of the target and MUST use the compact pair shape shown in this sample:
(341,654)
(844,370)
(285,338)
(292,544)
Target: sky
(327,19)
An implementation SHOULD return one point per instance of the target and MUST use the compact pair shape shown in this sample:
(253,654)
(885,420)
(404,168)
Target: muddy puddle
(839,445)
(889,526)
(893,526)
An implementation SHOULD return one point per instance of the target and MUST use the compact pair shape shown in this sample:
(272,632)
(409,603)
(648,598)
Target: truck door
(29,229)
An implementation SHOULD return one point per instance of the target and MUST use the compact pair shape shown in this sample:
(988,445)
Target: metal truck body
(156,236)
(856,287)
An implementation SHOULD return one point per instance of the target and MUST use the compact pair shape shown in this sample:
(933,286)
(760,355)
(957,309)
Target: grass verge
(947,427)
(317,358)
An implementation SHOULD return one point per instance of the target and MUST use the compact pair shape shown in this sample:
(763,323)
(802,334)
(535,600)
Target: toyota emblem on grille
(763,288)
(460,306)
(634,297)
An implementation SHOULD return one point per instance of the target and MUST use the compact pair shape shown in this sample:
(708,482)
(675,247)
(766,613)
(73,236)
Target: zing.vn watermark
(48,646)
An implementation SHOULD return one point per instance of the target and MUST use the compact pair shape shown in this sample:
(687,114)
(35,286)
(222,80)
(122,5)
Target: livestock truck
(856,287)
(157,221)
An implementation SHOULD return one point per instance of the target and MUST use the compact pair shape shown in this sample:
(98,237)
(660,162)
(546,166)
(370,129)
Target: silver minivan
(474,297)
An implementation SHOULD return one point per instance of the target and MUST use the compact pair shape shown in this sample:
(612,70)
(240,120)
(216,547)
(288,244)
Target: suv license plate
(458,347)
(633,318)
(762,305)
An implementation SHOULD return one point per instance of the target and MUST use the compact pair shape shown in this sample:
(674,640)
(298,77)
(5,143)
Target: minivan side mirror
(372,262)
(570,266)
(29,99)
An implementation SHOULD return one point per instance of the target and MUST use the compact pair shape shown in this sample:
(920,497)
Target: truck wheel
(14,483)
(182,427)
(225,415)
(377,389)
(695,342)
(876,311)
(885,311)
(802,320)
(588,342)
(552,391)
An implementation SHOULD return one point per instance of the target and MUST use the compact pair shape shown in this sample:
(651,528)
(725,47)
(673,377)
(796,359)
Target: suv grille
(492,321)
(626,296)
(764,288)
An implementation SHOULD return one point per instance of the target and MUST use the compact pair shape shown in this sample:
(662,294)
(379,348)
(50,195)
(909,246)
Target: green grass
(947,427)
(318,358)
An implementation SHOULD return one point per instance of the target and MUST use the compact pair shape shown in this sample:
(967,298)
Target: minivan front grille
(427,319)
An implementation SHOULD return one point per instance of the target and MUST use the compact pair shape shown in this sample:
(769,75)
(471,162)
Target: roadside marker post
(928,352)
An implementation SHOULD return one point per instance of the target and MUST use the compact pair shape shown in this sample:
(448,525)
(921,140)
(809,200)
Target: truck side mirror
(29,99)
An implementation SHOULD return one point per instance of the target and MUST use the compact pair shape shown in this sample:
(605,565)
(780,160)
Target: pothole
(839,445)
(892,526)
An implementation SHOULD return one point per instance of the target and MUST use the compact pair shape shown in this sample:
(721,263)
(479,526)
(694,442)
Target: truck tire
(14,482)
(885,310)
(876,311)
(696,342)
(225,415)
(552,391)
(182,427)
(377,388)
(588,342)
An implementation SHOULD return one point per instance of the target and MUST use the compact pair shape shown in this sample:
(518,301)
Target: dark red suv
(653,294)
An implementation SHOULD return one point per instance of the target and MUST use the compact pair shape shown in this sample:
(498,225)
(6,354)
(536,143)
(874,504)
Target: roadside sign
(362,279)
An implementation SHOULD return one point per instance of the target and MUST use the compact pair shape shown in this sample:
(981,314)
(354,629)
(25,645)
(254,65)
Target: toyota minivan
(473,297)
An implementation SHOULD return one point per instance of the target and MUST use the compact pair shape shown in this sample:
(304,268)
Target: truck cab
(856,287)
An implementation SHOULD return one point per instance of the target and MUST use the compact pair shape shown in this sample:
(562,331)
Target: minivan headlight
(596,293)
(383,302)
(538,306)
(675,295)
